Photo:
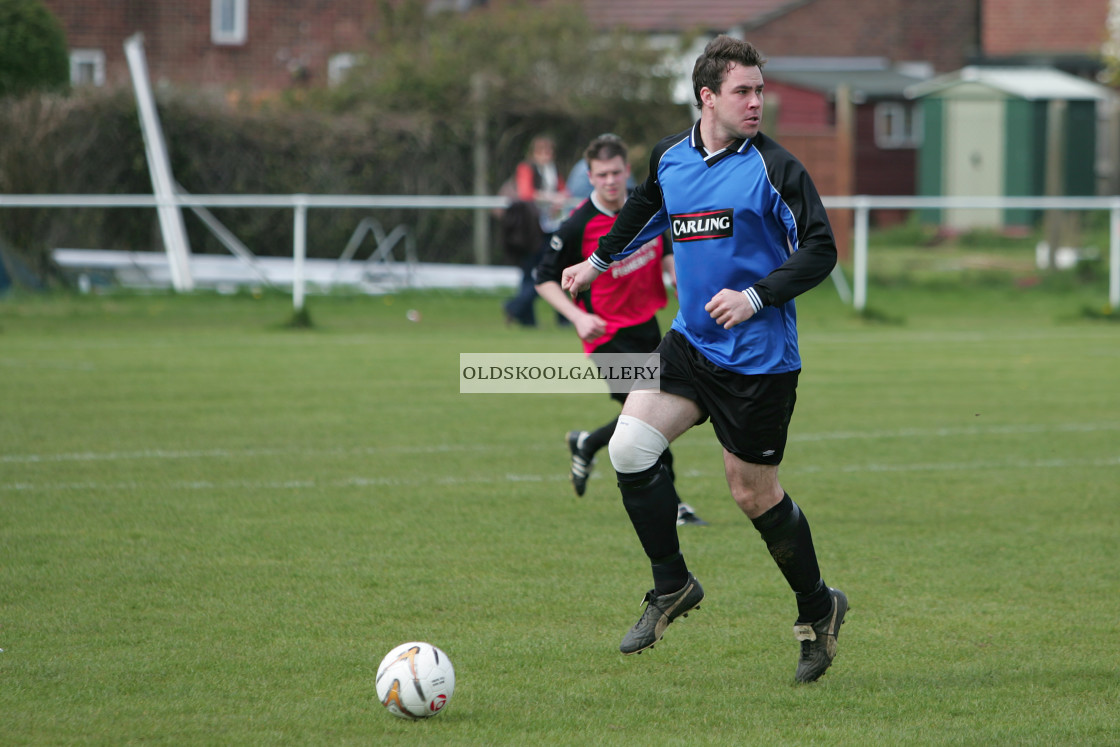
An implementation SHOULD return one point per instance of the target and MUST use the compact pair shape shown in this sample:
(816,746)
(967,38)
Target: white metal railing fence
(861,205)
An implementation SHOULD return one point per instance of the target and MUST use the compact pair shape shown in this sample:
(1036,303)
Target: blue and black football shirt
(747,218)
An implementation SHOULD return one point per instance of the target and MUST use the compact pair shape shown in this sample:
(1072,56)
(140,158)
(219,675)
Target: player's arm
(807,231)
(730,307)
(578,278)
(564,250)
(588,326)
(810,235)
(668,264)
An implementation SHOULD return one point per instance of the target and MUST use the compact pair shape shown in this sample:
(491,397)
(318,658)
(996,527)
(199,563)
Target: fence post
(481,151)
(1114,257)
(859,259)
(299,250)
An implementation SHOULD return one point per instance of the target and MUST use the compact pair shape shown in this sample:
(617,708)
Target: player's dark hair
(721,53)
(604,148)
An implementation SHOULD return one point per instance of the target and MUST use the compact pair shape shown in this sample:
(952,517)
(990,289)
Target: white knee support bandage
(635,445)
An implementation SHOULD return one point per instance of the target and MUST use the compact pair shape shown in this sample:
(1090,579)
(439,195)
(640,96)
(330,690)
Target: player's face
(737,108)
(608,180)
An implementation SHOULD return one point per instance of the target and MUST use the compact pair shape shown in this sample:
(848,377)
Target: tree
(1110,49)
(466,91)
(522,66)
(33,54)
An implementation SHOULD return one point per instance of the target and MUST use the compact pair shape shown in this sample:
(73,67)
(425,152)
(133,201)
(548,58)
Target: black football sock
(667,460)
(598,438)
(785,530)
(815,605)
(669,574)
(651,501)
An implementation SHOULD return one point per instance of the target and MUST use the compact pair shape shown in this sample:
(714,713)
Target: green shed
(1006,131)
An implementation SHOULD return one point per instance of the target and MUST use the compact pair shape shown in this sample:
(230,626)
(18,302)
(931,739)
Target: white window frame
(338,66)
(94,59)
(231,35)
(897,125)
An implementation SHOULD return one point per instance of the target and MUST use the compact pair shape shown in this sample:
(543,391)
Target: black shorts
(750,414)
(641,338)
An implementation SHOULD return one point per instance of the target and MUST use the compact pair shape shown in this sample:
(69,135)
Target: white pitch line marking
(186,454)
(451,481)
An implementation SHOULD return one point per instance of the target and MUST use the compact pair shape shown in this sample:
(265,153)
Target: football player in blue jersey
(750,233)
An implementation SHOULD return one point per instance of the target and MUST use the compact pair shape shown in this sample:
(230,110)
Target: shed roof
(1031,83)
(866,77)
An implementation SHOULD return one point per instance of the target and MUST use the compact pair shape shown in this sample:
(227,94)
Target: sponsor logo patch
(709,224)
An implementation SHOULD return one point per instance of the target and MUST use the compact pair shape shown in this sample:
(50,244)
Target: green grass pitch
(212,528)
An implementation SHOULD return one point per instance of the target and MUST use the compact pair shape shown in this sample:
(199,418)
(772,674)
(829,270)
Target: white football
(415,680)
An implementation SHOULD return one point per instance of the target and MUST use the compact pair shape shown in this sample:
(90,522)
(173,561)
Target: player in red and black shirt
(618,313)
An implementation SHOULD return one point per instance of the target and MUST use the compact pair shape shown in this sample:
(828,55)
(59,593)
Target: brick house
(270,45)
(876,152)
(943,34)
(258,45)
(817,48)
(1067,35)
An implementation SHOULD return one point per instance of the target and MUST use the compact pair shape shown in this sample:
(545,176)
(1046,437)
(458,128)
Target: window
(229,21)
(338,66)
(897,125)
(87,67)
(459,6)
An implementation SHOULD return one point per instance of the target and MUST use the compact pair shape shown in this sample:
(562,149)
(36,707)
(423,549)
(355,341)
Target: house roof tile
(673,15)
